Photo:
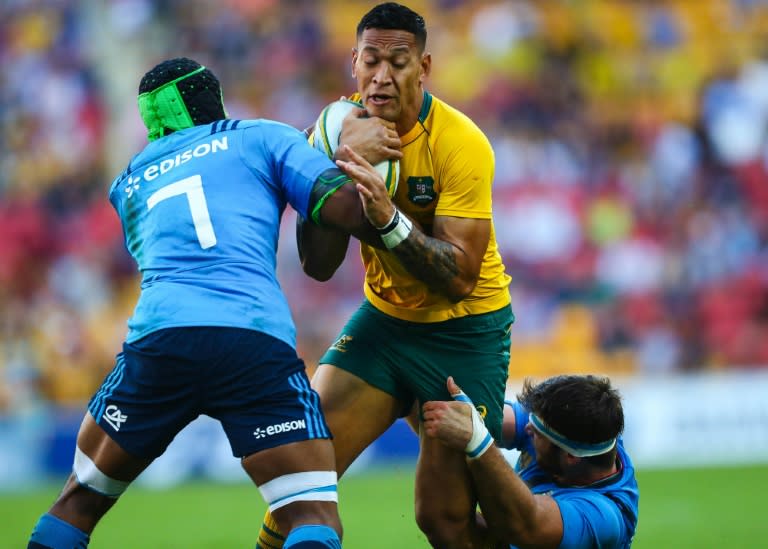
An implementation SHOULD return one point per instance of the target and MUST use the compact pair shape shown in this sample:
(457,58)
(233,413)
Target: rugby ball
(326,139)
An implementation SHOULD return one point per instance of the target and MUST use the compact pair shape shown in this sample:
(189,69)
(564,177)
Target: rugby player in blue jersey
(573,486)
(212,333)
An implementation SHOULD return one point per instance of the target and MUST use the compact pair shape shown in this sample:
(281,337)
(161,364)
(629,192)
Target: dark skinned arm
(449,260)
(322,249)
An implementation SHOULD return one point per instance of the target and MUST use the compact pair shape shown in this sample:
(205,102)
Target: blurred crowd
(631,192)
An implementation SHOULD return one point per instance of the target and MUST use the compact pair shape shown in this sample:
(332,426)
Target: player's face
(547,454)
(390,71)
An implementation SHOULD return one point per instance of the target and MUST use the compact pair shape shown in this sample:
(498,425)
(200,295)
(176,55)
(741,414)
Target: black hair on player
(201,92)
(394,16)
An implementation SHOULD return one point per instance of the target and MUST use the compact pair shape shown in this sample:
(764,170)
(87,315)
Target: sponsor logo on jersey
(153,171)
(284,427)
(421,190)
(114,417)
(341,343)
(132,185)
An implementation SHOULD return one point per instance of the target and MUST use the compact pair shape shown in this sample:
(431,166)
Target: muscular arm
(449,261)
(513,513)
(322,244)
(321,249)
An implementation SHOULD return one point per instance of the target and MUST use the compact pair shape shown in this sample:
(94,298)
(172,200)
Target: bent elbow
(321,273)
(461,290)
(511,532)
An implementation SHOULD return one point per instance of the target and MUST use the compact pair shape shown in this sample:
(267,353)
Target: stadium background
(631,202)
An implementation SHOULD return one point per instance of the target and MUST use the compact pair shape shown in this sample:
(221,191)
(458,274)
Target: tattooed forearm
(430,260)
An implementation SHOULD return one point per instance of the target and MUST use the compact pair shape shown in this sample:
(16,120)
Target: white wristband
(481,439)
(400,229)
(389,224)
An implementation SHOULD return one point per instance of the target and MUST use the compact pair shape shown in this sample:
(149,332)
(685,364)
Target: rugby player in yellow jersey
(437,302)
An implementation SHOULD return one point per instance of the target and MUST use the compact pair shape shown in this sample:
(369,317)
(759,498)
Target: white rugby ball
(328,130)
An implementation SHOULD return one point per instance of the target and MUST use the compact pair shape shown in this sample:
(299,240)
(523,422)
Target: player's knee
(79,504)
(445,535)
(88,475)
(442,529)
(305,498)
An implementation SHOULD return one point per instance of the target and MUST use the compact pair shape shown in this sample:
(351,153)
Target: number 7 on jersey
(192,187)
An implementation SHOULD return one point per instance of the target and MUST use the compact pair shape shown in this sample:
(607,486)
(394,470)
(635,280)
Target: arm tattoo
(430,260)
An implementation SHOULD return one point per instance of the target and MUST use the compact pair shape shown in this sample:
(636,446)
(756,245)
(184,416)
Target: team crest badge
(421,190)
(482,410)
(341,343)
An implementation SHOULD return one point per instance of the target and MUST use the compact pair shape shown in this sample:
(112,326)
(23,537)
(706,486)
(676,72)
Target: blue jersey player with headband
(212,333)
(573,486)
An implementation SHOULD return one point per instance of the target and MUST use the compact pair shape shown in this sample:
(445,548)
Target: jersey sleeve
(467,174)
(589,520)
(521,420)
(295,165)
(114,193)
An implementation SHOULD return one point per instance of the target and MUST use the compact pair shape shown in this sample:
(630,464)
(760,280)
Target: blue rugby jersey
(201,210)
(603,514)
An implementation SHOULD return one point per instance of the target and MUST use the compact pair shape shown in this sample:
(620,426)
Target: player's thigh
(153,391)
(356,412)
(474,350)
(106,454)
(101,471)
(262,396)
(360,382)
(295,457)
(443,485)
(260,392)
(369,349)
(298,481)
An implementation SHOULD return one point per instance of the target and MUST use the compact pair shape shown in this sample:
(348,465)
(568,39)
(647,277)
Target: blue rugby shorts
(254,384)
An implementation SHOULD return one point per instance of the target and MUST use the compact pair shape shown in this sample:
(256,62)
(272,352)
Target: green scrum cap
(164,107)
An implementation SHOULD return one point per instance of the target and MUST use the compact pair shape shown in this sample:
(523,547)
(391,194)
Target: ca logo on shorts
(341,343)
(114,417)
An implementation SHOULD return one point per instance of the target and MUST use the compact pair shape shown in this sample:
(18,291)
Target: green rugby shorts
(412,360)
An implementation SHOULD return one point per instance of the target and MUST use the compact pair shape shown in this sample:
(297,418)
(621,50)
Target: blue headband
(578,449)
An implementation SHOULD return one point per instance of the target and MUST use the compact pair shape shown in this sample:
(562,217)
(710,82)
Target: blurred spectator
(631,185)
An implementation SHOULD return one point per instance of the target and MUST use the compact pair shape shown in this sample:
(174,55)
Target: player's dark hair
(583,408)
(394,16)
(201,92)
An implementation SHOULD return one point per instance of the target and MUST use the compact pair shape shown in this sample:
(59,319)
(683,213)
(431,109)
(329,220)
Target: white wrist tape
(481,439)
(397,230)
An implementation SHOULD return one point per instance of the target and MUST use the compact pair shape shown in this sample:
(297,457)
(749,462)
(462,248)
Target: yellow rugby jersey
(447,169)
